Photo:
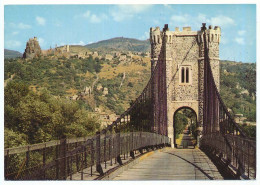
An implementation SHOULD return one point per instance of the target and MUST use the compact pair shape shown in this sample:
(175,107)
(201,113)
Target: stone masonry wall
(185,54)
(184,48)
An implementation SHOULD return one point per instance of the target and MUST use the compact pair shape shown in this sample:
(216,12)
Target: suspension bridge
(184,74)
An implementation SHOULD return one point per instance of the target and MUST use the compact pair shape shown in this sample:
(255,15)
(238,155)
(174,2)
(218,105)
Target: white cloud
(58,45)
(202,18)
(57,23)
(156,22)
(93,18)
(12,44)
(221,20)
(40,20)
(20,25)
(81,43)
(241,32)
(86,14)
(137,8)
(145,36)
(240,40)
(195,21)
(97,19)
(180,19)
(41,41)
(24,26)
(15,32)
(224,39)
(122,12)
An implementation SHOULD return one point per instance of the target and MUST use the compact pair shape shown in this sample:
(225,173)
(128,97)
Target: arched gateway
(181,79)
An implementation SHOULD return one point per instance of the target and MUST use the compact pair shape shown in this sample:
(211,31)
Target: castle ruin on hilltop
(33,49)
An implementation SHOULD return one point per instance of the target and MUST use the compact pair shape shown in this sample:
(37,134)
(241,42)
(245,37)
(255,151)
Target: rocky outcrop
(105,91)
(33,49)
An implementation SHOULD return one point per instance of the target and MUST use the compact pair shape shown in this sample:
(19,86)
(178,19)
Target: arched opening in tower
(185,128)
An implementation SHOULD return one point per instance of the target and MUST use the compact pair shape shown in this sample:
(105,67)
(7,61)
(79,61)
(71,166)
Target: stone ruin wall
(33,49)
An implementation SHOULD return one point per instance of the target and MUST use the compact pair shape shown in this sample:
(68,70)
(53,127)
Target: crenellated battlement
(213,35)
(156,35)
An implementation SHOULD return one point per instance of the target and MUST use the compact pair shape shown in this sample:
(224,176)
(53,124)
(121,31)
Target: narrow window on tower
(187,74)
(182,75)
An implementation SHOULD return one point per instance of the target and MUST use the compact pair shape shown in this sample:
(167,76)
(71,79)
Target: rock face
(33,49)
(105,91)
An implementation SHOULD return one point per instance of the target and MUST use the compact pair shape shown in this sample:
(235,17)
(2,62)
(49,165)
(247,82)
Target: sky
(84,24)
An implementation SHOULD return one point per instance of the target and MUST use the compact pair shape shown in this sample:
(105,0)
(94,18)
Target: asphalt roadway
(173,164)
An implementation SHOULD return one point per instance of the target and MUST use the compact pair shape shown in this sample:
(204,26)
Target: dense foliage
(46,113)
(34,118)
(238,88)
(185,117)
(58,75)
(64,77)
(250,130)
(180,122)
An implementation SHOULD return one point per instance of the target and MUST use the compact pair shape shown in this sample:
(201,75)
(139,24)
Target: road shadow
(202,171)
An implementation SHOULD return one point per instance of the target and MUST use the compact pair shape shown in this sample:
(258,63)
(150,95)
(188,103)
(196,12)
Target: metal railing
(221,134)
(236,152)
(60,160)
(143,124)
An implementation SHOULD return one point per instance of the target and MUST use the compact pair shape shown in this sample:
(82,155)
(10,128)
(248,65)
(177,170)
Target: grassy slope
(65,77)
(121,44)
(11,53)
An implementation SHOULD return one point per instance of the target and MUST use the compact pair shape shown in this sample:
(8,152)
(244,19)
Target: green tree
(180,121)
(14,92)
(14,139)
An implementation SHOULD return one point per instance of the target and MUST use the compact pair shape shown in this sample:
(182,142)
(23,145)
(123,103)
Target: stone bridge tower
(182,52)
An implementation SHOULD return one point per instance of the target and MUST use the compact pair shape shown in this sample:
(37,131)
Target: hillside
(11,53)
(121,44)
(124,81)
(56,97)
(70,77)
(238,87)
(75,49)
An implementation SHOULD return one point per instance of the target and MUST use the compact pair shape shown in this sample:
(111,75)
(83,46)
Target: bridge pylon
(178,57)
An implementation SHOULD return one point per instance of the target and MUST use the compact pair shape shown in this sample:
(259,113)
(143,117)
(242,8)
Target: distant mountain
(12,54)
(121,44)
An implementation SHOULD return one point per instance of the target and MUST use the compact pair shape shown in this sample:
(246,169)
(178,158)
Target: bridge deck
(173,164)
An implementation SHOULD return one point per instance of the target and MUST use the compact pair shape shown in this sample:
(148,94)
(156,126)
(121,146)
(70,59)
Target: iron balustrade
(236,152)
(142,125)
(61,159)
(221,134)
